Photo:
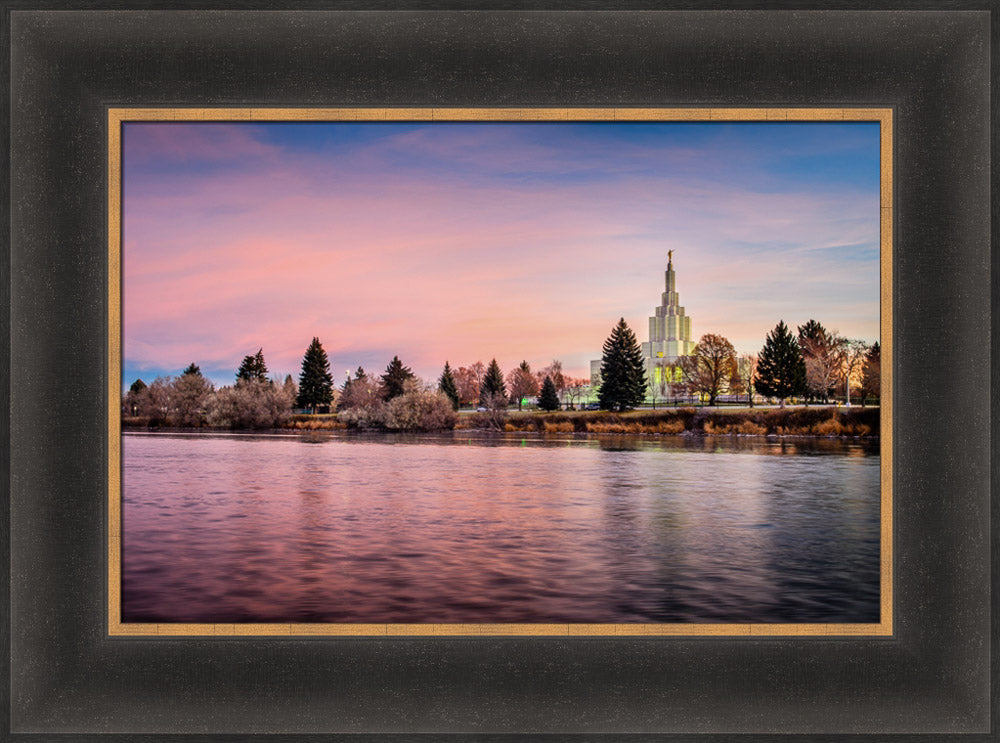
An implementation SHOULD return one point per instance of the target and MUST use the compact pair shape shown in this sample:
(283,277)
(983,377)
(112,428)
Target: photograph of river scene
(486,373)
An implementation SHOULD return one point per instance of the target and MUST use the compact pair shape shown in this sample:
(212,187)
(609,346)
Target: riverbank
(800,421)
(813,420)
(816,420)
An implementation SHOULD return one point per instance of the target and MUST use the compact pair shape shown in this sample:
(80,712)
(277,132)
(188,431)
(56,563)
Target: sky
(472,241)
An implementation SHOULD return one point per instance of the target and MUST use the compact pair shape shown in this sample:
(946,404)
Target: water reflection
(504,528)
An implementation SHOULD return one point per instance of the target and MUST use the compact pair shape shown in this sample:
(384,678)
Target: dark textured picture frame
(118,118)
(932,675)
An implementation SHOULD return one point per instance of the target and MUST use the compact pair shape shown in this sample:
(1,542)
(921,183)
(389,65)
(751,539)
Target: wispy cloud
(194,145)
(470,242)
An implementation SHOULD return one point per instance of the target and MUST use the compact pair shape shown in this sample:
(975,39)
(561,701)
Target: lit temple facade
(669,339)
(669,332)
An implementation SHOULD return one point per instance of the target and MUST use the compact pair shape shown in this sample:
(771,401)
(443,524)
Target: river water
(511,528)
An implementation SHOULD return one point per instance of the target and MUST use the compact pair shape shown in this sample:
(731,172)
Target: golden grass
(815,420)
(558,427)
(329,424)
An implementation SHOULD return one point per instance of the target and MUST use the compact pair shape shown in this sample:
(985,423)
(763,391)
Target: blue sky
(467,241)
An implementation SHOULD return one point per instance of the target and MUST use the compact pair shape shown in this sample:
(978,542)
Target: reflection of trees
(765,538)
(685,550)
(633,544)
(825,553)
(758,445)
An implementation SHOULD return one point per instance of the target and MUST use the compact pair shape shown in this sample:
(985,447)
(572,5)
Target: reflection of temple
(669,339)
(669,332)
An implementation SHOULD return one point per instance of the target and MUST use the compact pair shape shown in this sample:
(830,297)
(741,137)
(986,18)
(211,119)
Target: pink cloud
(368,257)
(191,143)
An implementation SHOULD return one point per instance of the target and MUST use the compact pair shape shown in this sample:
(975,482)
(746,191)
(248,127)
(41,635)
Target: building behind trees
(669,342)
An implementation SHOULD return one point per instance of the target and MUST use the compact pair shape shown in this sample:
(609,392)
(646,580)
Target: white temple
(669,328)
(669,337)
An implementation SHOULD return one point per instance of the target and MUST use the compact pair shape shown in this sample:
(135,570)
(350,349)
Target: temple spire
(669,327)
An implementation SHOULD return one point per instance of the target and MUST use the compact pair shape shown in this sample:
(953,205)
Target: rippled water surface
(339,528)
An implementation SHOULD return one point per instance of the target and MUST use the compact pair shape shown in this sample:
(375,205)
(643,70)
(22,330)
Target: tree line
(398,400)
(812,365)
(190,400)
(394,400)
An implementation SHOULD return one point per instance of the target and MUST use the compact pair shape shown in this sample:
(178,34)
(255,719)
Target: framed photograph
(276,219)
(467,538)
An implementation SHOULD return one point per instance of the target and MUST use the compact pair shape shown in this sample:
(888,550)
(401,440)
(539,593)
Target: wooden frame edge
(285,629)
(119,115)
(114,370)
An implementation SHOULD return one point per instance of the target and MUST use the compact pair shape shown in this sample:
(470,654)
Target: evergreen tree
(623,370)
(493,388)
(395,378)
(359,374)
(811,331)
(781,371)
(252,368)
(259,366)
(447,386)
(193,368)
(315,381)
(290,388)
(134,397)
(549,398)
(871,373)
(246,371)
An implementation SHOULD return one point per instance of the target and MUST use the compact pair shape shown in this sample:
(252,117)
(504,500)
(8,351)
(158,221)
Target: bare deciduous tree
(494,405)
(854,354)
(188,396)
(467,385)
(521,383)
(575,389)
(361,392)
(746,368)
(710,366)
(823,352)
(420,410)
(554,372)
(250,404)
(663,378)
(479,372)
(152,402)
